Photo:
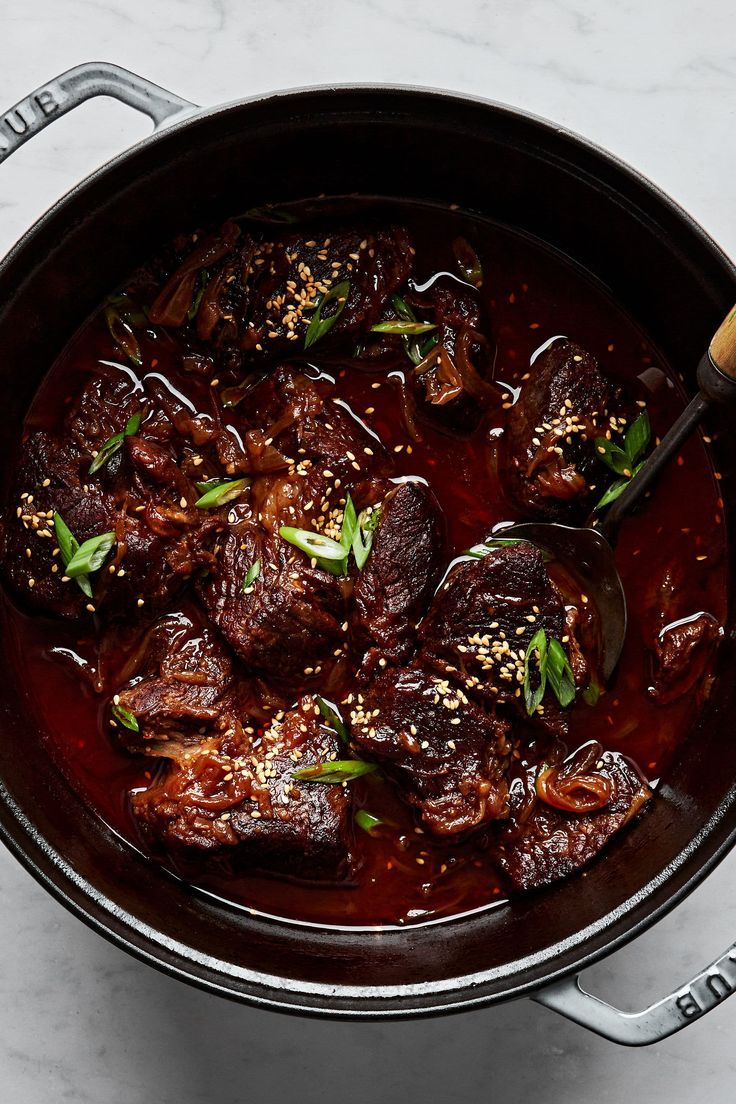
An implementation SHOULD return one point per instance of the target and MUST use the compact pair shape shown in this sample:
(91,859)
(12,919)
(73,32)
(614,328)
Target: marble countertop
(656,84)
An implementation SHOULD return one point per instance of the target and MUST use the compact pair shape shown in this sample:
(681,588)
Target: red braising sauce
(403,877)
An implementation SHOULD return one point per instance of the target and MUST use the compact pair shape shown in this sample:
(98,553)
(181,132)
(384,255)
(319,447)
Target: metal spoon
(589,552)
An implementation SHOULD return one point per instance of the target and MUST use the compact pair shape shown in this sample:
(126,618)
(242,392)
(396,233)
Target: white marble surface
(654,82)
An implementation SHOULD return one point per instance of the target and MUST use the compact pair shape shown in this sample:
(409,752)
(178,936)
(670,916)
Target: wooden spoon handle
(723,346)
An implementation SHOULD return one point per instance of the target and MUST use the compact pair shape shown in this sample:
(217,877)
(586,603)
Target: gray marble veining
(655,83)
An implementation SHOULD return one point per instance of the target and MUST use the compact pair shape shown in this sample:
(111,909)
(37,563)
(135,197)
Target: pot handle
(73,88)
(659,1020)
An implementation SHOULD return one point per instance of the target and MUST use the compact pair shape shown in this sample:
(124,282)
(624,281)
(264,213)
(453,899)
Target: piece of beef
(681,643)
(140,494)
(542,844)
(400,575)
(681,654)
(288,623)
(259,296)
(548,462)
(483,618)
(448,756)
(48,480)
(452,379)
(178,681)
(236,792)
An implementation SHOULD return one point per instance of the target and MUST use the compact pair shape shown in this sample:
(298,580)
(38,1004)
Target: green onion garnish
(90,556)
(81,560)
(592,693)
(319,326)
(356,535)
(220,492)
(395,326)
(538,645)
(617,488)
(125,718)
(415,350)
(122,334)
(68,545)
(638,436)
(626,461)
(553,667)
(251,575)
(335,771)
(467,262)
(333,718)
(367,821)
(115,443)
(370,519)
(559,673)
(316,545)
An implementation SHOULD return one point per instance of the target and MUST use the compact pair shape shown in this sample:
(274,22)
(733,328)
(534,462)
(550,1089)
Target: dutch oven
(521,171)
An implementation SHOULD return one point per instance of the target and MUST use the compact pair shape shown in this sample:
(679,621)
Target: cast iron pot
(418,144)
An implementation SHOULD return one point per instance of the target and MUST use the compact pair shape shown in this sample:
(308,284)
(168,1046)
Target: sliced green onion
(395,326)
(592,693)
(335,772)
(427,347)
(68,547)
(637,437)
(414,348)
(316,545)
(559,674)
(330,554)
(333,718)
(369,522)
(252,574)
(349,525)
(367,821)
(467,262)
(202,279)
(319,326)
(624,460)
(115,443)
(220,492)
(614,457)
(90,556)
(362,544)
(128,310)
(123,336)
(538,644)
(617,488)
(554,668)
(67,542)
(355,536)
(126,718)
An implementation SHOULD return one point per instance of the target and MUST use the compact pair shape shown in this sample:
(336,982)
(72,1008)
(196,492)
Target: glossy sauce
(530,294)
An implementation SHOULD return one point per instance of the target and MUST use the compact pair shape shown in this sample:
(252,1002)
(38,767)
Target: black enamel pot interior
(521,171)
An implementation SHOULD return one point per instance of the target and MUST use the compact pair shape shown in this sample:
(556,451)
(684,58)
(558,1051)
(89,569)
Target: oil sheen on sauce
(532,294)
